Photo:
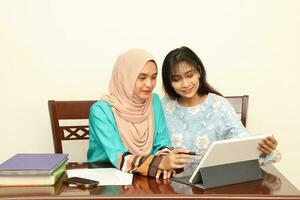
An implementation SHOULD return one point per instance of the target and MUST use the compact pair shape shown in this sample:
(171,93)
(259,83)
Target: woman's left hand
(267,145)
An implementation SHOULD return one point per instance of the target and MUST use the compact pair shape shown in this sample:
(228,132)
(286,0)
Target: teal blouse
(105,143)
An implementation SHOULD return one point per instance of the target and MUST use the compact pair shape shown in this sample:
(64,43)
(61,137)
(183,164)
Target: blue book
(32,164)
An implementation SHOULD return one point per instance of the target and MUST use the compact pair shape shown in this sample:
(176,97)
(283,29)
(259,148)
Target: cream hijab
(134,119)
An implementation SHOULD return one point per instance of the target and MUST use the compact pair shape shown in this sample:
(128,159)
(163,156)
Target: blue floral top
(195,128)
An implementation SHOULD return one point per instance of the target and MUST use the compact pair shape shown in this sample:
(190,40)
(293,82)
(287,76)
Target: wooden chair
(69,121)
(76,111)
(240,105)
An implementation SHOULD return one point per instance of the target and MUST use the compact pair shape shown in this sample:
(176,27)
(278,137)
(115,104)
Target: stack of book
(8,191)
(33,169)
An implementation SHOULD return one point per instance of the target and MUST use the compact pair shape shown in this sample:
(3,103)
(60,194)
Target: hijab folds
(134,119)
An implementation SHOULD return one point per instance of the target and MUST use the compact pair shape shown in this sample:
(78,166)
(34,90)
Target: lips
(187,91)
(146,91)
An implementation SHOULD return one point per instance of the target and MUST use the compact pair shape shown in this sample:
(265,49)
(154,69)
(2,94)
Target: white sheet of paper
(105,176)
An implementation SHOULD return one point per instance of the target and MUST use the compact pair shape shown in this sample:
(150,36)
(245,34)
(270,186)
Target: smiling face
(145,82)
(185,80)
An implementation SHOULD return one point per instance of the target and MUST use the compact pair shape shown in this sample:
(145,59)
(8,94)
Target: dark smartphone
(81,182)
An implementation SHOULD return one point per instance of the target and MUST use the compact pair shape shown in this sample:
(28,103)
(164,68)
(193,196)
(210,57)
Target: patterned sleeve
(145,165)
(273,157)
(233,128)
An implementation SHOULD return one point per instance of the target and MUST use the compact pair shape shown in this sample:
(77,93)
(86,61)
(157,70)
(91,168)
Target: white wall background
(65,50)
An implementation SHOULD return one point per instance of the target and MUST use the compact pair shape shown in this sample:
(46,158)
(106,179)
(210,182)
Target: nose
(148,83)
(184,83)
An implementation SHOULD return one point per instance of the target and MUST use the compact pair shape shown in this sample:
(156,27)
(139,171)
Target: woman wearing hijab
(127,127)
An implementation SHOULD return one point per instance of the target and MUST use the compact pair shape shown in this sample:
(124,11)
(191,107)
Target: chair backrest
(69,121)
(240,105)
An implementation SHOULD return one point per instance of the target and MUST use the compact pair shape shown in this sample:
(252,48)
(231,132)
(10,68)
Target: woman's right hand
(165,174)
(176,159)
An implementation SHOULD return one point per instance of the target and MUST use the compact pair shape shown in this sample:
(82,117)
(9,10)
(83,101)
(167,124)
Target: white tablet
(229,151)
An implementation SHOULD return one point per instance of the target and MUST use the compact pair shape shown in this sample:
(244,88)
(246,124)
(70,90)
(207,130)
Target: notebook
(29,190)
(32,164)
(30,180)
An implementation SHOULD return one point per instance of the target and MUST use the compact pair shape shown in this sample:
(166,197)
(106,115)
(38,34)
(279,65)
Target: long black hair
(172,61)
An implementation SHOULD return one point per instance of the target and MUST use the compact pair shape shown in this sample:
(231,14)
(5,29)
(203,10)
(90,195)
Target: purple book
(32,164)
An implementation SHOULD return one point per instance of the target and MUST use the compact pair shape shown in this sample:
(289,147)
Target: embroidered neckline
(196,107)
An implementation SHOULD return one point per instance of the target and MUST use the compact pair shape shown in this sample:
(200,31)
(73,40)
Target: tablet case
(226,174)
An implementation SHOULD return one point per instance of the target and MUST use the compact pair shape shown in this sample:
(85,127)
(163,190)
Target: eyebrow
(144,74)
(175,75)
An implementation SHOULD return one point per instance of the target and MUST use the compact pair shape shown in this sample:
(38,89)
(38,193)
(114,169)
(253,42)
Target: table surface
(273,186)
